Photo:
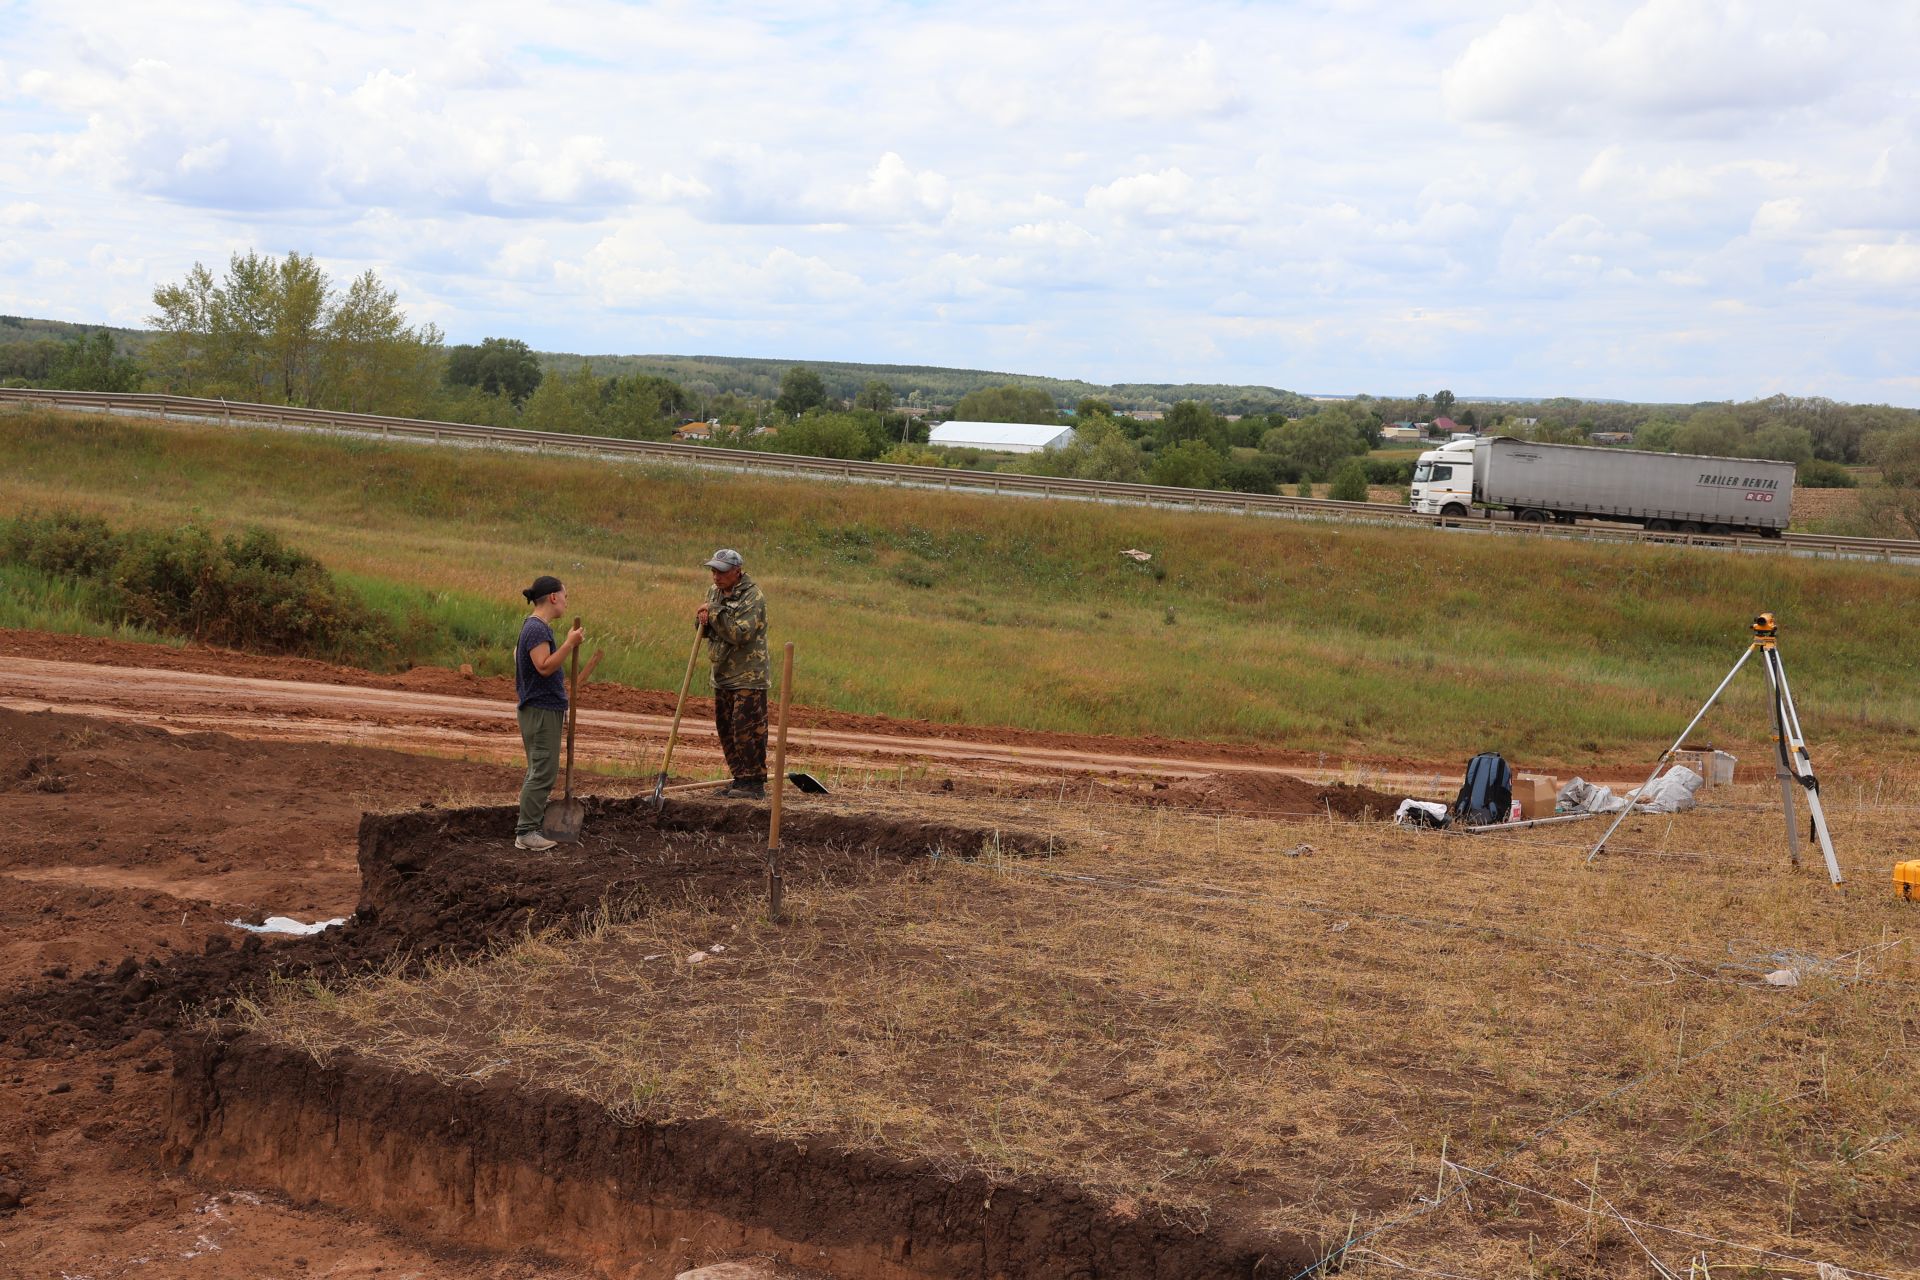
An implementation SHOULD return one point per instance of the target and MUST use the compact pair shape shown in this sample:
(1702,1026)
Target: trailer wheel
(1719,530)
(1454,510)
(1690,526)
(1657,526)
(1534,515)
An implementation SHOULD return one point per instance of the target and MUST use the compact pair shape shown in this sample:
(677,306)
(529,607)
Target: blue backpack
(1487,794)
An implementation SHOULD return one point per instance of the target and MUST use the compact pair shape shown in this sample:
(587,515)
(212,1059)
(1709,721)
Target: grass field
(1171,1010)
(1022,612)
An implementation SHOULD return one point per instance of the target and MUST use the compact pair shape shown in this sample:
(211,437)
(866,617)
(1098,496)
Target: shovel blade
(807,783)
(564,820)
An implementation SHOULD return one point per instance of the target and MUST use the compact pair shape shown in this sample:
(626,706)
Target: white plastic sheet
(288,925)
(1671,792)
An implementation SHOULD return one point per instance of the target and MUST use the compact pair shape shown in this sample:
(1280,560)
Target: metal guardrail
(244,414)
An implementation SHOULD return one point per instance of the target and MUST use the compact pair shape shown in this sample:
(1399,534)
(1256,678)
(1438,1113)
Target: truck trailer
(1562,483)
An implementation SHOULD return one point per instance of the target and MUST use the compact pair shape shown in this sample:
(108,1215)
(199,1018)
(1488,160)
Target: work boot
(747,789)
(532,842)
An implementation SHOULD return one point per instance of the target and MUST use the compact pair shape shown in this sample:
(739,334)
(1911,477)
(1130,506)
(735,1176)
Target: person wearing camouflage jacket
(734,620)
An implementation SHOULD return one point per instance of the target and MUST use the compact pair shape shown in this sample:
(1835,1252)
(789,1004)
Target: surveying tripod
(1793,765)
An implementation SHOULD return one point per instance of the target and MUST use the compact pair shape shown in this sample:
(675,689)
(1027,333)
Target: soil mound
(1277,795)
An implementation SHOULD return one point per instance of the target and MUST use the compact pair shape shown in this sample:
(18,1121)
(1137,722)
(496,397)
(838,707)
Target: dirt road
(479,724)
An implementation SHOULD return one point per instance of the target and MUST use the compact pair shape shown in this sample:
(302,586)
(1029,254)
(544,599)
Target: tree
(876,395)
(1006,404)
(1316,443)
(1893,509)
(1100,450)
(1443,402)
(90,363)
(825,435)
(800,390)
(1090,405)
(1714,431)
(567,402)
(498,366)
(372,359)
(276,331)
(1656,436)
(1349,481)
(1780,442)
(1190,464)
(1192,420)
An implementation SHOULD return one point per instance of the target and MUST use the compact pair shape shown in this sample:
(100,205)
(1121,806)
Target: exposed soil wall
(505,1168)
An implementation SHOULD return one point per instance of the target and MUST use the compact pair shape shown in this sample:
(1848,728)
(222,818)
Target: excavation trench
(502,1165)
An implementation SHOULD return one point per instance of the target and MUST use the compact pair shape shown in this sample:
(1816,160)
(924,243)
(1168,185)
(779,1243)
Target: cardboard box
(1536,793)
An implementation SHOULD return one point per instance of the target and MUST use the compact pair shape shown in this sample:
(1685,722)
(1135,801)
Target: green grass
(1022,612)
(37,601)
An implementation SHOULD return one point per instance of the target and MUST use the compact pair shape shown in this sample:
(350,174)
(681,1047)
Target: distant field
(1012,611)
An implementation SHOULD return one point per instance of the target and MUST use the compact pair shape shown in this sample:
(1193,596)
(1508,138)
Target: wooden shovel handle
(673,734)
(573,711)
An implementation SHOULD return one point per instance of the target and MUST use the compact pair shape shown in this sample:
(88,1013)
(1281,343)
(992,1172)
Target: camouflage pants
(741,717)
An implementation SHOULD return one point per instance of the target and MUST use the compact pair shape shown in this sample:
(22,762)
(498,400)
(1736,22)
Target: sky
(1671,200)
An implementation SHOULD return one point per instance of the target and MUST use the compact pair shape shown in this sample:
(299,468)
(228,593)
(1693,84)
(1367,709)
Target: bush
(1252,475)
(1821,474)
(247,592)
(1349,482)
(1390,470)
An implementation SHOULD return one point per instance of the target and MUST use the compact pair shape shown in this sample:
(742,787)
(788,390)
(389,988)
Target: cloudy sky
(1655,199)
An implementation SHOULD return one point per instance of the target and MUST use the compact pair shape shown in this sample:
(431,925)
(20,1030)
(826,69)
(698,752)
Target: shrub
(1821,474)
(1390,470)
(1349,482)
(250,591)
(1252,475)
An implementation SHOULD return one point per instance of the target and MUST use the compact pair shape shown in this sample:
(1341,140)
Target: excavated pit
(509,1167)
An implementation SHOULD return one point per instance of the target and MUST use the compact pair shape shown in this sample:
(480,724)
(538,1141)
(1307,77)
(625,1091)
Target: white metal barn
(1002,437)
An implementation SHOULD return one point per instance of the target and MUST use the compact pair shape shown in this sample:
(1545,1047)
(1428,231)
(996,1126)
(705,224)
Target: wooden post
(775,885)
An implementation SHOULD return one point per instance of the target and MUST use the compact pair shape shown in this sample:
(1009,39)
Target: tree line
(282,331)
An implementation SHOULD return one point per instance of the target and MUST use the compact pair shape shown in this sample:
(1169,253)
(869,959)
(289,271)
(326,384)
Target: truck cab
(1443,480)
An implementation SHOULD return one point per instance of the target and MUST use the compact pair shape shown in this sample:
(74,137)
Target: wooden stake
(775,885)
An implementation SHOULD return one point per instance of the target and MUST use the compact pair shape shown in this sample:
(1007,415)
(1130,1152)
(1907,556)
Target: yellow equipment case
(1906,879)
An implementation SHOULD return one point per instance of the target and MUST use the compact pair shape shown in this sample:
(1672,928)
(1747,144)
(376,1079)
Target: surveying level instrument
(1792,764)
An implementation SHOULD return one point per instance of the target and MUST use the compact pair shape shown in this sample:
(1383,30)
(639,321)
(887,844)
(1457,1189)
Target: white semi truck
(1562,483)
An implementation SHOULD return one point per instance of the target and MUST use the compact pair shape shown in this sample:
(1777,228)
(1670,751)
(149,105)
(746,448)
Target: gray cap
(724,560)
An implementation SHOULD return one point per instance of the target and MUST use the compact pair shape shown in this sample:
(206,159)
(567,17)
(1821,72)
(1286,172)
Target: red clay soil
(1274,795)
(125,850)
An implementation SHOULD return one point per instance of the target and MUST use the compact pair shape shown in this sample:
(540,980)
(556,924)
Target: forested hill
(914,384)
(708,376)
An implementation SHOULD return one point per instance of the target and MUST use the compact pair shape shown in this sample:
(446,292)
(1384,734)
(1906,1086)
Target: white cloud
(1356,194)
(1564,65)
(1147,197)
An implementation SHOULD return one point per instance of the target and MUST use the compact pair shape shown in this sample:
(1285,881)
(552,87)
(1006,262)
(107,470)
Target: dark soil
(437,882)
(906,1211)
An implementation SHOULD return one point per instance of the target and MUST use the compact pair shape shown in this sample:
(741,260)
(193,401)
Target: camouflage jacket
(737,636)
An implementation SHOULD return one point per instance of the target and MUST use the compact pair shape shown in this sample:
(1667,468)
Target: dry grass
(1179,1010)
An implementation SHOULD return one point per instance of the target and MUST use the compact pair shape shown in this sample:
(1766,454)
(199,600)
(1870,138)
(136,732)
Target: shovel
(565,819)
(658,798)
(801,782)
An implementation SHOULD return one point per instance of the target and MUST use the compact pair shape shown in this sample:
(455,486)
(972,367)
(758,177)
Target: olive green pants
(540,729)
